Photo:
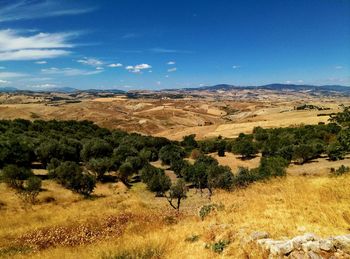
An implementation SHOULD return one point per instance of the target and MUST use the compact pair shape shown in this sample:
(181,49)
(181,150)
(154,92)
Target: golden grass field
(132,222)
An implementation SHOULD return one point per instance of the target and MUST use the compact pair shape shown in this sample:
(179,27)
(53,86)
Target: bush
(340,171)
(205,210)
(244,177)
(171,153)
(14,176)
(70,175)
(99,166)
(219,246)
(31,190)
(335,152)
(159,183)
(244,146)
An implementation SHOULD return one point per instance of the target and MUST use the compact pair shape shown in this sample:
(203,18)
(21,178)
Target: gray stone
(313,255)
(341,242)
(313,246)
(283,248)
(326,245)
(298,241)
(259,235)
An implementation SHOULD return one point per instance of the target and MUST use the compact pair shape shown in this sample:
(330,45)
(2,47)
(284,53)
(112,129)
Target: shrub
(205,210)
(31,190)
(177,192)
(14,176)
(340,171)
(159,183)
(99,166)
(244,146)
(192,238)
(244,177)
(335,152)
(219,246)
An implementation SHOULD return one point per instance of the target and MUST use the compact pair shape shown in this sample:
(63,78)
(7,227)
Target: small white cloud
(4,81)
(90,62)
(41,62)
(235,66)
(339,67)
(300,81)
(166,76)
(171,63)
(138,68)
(99,68)
(172,69)
(288,82)
(115,65)
(158,83)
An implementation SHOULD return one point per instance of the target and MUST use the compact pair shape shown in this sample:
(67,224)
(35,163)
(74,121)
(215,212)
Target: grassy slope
(283,207)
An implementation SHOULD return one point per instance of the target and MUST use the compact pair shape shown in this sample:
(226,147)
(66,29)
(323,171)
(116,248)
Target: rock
(297,255)
(281,248)
(259,235)
(298,241)
(341,242)
(326,245)
(313,255)
(313,246)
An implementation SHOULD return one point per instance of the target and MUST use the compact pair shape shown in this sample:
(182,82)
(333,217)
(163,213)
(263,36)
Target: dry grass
(72,227)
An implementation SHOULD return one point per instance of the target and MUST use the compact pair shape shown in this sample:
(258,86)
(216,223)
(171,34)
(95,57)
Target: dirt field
(174,118)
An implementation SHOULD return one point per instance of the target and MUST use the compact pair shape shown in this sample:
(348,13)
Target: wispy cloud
(138,68)
(338,67)
(27,9)
(17,46)
(172,69)
(11,74)
(130,36)
(4,81)
(115,65)
(171,63)
(32,54)
(69,71)
(163,50)
(236,66)
(91,62)
(41,62)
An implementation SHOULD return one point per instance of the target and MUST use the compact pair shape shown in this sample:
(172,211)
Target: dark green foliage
(342,118)
(14,176)
(304,152)
(244,177)
(340,171)
(159,183)
(99,166)
(71,176)
(244,146)
(189,142)
(177,166)
(219,246)
(31,190)
(149,154)
(96,148)
(205,210)
(272,167)
(335,151)
(219,177)
(171,153)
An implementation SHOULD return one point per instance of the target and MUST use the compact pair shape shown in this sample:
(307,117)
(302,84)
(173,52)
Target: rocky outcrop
(304,246)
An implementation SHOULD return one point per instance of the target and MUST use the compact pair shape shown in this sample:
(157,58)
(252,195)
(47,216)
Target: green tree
(14,176)
(159,183)
(100,166)
(177,192)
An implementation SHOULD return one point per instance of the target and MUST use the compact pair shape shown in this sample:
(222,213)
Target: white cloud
(14,46)
(69,71)
(171,63)
(162,50)
(32,54)
(11,74)
(4,81)
(288,82)
(41,62)
(24,10)
(338,67)
(12,40)
(43,86)
(115,65)
(158,83)
(91,62)
(235,66)
(300,81)
(130,36)
(172,69)
(99,68)
(138,68)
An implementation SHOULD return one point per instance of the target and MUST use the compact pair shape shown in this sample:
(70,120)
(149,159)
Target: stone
(259,235)
(313,255)
(326,245)
(313,246)
(297,255)
(281,248)
(298,241)
(342,243)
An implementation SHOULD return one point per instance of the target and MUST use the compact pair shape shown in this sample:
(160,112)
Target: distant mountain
(59,90)
(114,91)
(8,89)
(275,87)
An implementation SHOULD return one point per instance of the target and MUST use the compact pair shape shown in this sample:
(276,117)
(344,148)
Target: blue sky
(145,44)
